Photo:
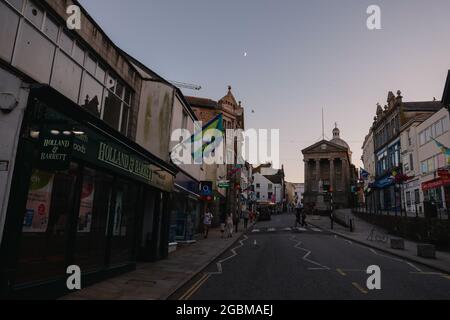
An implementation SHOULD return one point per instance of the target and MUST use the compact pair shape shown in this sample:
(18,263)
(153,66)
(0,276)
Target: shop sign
(436,183)
(223,184)
(55,151)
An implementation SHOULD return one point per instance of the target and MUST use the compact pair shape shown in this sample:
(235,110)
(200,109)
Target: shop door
(91,228)
(122,222)
(46,225)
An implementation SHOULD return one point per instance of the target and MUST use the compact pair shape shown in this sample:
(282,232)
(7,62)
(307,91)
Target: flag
(363,174)
(443,148)
(216,123)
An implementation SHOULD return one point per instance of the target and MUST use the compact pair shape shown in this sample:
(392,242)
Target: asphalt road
(275,261)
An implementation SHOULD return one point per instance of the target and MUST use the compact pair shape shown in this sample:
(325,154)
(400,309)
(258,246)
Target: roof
(276,179)
(422,106)
(317,144)
(258,168)
(202,102)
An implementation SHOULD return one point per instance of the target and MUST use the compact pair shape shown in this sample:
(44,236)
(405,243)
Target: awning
(383,183)
(435,183)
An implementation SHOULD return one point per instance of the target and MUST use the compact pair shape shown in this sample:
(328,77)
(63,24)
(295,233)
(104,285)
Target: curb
(200,269)
(407,258)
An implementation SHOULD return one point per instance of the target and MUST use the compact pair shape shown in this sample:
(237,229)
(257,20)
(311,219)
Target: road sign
(223,184)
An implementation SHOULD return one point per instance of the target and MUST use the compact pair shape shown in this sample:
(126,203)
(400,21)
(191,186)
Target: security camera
(7,102)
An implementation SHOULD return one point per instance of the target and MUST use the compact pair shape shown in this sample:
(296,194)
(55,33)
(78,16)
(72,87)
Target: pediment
(324,146)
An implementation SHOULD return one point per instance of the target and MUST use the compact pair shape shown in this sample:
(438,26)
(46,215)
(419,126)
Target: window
(100,74)
(438,128)
(411,162)
(430,164)
(91,95)
(269,186)
(90,64)
(424,167)
(258,185)
(184,120)
(416,196)
(112,108)
(444,124)
(69,86)
(408,198)
(258,195)
(422,138)
(269,195)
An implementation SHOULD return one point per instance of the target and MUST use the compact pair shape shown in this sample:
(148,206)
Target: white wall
(10,124)
(264,188)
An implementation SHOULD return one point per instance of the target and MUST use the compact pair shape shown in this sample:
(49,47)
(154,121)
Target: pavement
(276,260)
(158,280)
(362,230)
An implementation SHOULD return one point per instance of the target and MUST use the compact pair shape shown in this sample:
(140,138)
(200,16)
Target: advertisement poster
(86,205)
(38,203)
(118,215)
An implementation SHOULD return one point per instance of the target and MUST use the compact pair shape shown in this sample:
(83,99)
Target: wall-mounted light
(8,102)
(54,132)
(34,134)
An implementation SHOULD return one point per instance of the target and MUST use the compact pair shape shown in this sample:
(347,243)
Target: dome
(337,139)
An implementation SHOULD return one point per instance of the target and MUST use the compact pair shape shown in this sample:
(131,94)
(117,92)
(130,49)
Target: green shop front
(79,197)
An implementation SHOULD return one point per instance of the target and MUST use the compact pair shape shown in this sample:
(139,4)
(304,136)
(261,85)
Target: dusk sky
(302,56)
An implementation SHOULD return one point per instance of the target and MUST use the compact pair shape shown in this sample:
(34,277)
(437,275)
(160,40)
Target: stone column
(317,174)
(307,182)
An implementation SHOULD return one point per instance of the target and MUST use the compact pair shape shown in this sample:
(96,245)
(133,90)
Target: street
(275,261)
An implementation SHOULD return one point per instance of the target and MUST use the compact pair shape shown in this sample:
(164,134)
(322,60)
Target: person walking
(229,226)
(236,221)
(245,216)
(207,220)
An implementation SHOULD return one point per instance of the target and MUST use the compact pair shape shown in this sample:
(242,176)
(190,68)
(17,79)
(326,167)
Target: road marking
(256,230)
(271,229)
(194,287)
(382,255)
(287,229)
(414,267)
(301,229)
(233,251)
(349,242)
(447,277)
(305,257)
(316,230)
(342,273)
(357,286)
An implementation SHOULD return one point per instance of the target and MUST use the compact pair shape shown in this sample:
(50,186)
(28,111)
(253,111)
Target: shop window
(122,223)
(66,76)
(8,29)
(32,46)
(46,225)
(111,114)
(100,74)
(91,95)
(51,28)
(444,124)
(18,4)
(111,82)
(94,203)
(35,14)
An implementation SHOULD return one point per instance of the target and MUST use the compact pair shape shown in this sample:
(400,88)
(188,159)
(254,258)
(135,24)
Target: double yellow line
(188,294)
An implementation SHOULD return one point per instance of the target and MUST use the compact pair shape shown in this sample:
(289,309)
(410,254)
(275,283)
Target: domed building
(329,173)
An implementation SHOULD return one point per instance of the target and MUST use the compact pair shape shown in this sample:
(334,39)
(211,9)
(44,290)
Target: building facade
(79,186)
(329,173)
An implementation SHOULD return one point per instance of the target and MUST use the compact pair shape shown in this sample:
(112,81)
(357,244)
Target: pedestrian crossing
(286,229)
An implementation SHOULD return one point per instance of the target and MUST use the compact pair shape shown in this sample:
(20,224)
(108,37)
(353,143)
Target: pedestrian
(222,229)
(236,221)
(229,226)
(245,216)
(207,220)
(304,224)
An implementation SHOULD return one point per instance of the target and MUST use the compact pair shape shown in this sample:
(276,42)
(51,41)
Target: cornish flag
(363,174)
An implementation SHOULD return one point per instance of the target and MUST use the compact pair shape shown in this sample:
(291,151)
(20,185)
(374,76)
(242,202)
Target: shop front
(186,209)
(77,198)
(437,191)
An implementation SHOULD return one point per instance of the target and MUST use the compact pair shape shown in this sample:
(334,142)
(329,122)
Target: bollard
(351,225)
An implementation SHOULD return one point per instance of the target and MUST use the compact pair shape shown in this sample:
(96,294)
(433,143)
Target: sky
(301,56)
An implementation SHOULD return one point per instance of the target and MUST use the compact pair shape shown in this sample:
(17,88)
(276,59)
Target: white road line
(316,230)
(301,229)
(287,229)
(256,230)
(233,251)
(414,266)
(305,257)
(271,229)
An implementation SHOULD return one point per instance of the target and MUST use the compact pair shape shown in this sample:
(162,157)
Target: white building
(268,184)
(434,177)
